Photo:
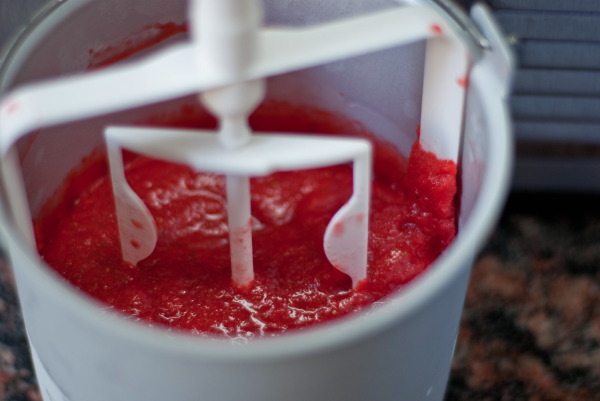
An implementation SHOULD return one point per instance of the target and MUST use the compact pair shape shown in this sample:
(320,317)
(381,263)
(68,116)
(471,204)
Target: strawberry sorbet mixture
(185,283)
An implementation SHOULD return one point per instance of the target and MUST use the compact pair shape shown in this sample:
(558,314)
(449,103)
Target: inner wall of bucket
(381,90)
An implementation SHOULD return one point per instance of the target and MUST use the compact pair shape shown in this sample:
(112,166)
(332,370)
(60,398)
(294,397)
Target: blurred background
(531,325)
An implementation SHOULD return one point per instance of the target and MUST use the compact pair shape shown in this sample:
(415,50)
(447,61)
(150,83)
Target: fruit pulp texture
(185,283)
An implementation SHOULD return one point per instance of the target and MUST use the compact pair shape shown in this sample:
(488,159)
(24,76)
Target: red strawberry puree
(186,282)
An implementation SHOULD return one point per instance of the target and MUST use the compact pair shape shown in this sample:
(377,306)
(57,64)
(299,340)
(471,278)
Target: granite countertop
(531,324)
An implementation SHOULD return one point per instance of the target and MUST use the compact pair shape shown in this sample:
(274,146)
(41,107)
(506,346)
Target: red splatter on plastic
(342,268)
(463,82)
(359,217)
(418,131)
(239,237)
(135,244)
(436,29)
(243,288)
(12,108)
(339,228)
(136,223)
(362,285)
(145,39)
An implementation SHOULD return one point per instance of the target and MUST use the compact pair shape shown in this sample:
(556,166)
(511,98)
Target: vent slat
(550,5)
(558,55)
(551,26)
(557,82)
(555,108)
(558,131)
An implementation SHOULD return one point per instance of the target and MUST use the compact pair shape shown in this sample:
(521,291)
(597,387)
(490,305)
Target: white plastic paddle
(180,70)
(264,154)
(227,31)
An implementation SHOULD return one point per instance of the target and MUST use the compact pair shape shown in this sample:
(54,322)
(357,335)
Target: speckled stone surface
(17,379)
(531,325)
